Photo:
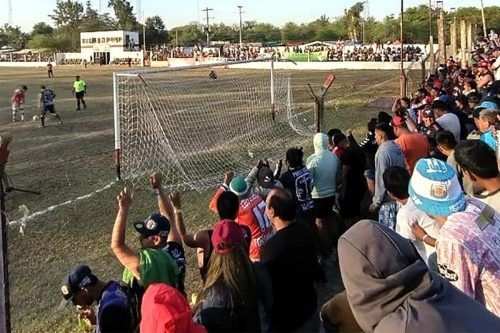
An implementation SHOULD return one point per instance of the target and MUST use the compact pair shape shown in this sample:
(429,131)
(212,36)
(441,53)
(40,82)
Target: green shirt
(155,266)
(79,86)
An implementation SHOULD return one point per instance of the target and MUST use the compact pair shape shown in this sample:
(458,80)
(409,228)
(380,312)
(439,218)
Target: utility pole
(241,25)
(4,268)
(484,21)
(11,23)
(207,10)
(431,41)
(402,83)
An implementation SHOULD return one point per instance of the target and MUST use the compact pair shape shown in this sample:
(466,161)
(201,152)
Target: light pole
(484,20)
(402,83)
(241,25)
(431,41)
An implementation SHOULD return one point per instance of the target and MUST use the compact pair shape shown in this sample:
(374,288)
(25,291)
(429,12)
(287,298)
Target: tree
(68,17)
(124,13)
(93,21)
(51,42)
(292,32)
(187,35)
(353,16)
(12,37)
(264,33)
(155,31)
(41,28)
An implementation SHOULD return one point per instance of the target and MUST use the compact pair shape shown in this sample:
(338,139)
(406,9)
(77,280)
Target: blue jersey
(114,312)
(47,97)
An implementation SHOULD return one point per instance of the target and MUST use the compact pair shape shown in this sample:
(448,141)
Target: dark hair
(396,180)
(446,139)
(474,97)
(471,82)
(440,105)
(383,117)
(283,204)
(332,132)
(371,125)
(477,157)
(42,87)
(25,87)
(462,99)
(406,99)
(387,129)
(294,157)
(338,138)
(423,91)
(228,205)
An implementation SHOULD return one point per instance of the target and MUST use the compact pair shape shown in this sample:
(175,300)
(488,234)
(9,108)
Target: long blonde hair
(232,271)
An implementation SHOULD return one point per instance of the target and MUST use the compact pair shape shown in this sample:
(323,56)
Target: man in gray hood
(390,289)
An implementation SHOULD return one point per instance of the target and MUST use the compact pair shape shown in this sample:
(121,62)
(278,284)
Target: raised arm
(165,207)
(129,258)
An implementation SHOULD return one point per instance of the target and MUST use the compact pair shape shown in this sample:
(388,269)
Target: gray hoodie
(390,289)
(324,167)
(388,154)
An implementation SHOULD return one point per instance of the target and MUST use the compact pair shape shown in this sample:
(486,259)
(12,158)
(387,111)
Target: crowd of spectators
(412,213)
(26,57)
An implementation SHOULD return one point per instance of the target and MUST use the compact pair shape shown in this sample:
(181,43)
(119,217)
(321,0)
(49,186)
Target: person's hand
(262,163)
(228,176)
(155,180)
(279,164)
(87,314)
(175,198)
(349,132)
(373,208)
(125,199)
(418,231)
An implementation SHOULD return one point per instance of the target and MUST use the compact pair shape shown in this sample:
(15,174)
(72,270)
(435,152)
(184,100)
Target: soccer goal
(195,123)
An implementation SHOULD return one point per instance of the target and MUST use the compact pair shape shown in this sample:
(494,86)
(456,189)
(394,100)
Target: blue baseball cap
(79,278)
(155,225)
(434,188)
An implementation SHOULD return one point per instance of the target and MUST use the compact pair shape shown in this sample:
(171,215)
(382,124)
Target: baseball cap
(226,235)
(483,106)
(428,113)
(155,225)
(239,187)
(265,177)
(398,121)
(434,188)
(80,277)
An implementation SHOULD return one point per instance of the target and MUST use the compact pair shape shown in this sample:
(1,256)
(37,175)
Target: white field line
(52,208)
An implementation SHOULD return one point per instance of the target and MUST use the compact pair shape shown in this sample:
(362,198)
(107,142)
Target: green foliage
(41,28)
(187,35)
(124,13)
(12,37)
(155,31)
(50,42)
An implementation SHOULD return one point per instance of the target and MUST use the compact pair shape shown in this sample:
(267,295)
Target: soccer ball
(35,118)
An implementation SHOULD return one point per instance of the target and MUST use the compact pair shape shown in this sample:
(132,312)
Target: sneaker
(78,109)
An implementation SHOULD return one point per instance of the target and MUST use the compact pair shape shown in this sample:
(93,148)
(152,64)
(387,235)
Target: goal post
(192,125)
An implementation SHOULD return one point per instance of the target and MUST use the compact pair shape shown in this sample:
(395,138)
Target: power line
(207,10)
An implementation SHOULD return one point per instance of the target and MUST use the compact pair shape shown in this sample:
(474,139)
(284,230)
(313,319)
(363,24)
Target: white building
(105,47)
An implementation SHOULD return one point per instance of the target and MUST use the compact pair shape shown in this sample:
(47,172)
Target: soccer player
(46,104)
(79,90)
(17,102)
(50,72)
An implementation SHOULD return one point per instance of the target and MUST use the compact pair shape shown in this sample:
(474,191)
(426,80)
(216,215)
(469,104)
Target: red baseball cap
(226,235)
(398,121)
(165,310)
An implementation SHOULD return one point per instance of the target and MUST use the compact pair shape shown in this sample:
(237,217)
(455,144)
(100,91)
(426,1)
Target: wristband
(224,186)
(177,210)
(159,191)
(425,236)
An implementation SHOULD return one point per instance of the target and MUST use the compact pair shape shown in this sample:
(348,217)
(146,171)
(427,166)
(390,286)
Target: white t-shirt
(496,67)
(404,219)
(450,122)
(492,199)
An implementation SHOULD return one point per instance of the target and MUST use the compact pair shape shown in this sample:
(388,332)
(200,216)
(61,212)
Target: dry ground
(68,161)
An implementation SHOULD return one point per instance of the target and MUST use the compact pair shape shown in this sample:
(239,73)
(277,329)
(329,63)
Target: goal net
(193,124)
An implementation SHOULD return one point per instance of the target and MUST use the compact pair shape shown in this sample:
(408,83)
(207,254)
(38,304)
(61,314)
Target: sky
(180,12)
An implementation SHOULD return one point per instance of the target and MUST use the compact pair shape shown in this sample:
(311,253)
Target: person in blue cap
(114,311)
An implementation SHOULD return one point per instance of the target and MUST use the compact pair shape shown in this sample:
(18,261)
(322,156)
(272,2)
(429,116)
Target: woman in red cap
(228,301)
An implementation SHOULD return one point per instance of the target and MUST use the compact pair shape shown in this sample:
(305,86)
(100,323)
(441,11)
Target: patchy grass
(68,161)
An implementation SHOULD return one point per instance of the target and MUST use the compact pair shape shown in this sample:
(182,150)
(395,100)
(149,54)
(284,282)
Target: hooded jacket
(390,289)
(324,167)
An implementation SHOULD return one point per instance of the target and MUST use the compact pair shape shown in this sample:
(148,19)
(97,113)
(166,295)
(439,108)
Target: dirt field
(72,160)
